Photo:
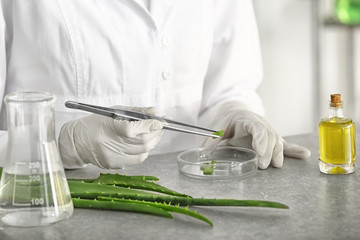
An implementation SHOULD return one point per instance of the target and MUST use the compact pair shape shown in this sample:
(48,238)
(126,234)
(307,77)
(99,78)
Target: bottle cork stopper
(335,100)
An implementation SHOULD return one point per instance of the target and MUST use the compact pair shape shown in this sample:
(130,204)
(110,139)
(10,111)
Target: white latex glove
(108,143)
(247,129)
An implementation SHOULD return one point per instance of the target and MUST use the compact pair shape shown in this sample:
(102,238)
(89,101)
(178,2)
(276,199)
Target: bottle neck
(336,112)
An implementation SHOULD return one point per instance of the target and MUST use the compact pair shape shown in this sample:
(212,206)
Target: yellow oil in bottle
(337,141)
(337,149)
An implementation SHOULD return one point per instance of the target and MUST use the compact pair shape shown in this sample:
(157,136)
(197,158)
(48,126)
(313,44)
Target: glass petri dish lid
(223,162)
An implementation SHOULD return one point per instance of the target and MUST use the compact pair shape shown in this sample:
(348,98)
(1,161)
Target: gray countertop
(321,206)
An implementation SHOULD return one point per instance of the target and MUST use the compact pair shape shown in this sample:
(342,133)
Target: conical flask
(33,187)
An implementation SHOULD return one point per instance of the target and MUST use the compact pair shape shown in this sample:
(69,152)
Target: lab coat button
(165,41)
(167,74)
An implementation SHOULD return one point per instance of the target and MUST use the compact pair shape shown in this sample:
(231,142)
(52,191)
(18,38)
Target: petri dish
(223,162)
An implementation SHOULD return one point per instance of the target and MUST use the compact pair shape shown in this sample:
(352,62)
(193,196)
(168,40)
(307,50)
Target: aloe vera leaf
(236,202)
(87,180)
(91,190)
(167,207)
(140,177)
(135,183)
(120,206)
(145,178)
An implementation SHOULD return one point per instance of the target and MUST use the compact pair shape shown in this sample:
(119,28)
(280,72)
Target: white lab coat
(181,56)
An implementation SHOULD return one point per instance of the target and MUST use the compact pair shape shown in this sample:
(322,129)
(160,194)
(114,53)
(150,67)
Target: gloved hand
(108,143)
(247,129)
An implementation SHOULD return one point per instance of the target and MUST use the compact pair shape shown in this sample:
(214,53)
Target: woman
(195,61)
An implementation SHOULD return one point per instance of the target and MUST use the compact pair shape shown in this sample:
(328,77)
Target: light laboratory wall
(339,62)
(288,92)
(307,55)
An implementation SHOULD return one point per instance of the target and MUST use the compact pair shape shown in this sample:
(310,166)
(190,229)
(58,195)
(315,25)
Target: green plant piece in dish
(219,133)
(209,168)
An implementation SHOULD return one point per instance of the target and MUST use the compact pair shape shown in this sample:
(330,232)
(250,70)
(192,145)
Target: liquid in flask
(33,186)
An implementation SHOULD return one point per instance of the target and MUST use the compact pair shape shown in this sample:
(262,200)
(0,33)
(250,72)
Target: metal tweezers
(125,114)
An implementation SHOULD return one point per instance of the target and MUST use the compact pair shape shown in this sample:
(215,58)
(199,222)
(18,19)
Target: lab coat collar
(161,11)
(158,13)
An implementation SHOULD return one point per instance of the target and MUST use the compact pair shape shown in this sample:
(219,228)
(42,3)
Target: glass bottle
(33,186)
(337,150)
(348,11)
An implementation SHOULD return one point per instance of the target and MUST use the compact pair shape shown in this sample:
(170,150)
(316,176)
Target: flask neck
(335,112)
(30,117)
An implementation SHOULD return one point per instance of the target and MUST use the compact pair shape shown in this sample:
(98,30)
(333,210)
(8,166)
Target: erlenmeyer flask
(33,187)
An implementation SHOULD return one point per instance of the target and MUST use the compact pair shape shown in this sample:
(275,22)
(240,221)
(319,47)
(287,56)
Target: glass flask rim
(29,97)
